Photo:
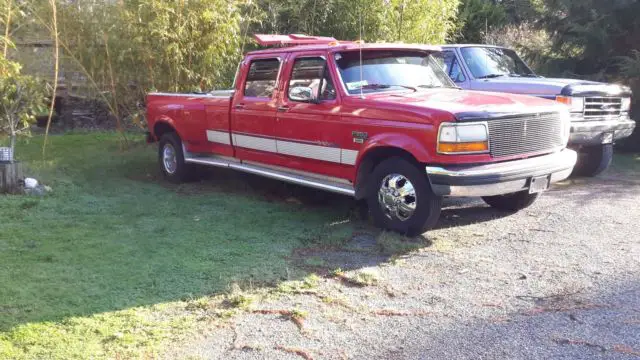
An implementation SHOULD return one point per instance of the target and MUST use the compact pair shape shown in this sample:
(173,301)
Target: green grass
(104,265)
(627,162)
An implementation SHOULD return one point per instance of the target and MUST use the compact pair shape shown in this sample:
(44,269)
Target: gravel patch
(556,281)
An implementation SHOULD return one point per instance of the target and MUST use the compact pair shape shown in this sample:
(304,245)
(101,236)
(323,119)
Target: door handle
(283,108)
(239,106)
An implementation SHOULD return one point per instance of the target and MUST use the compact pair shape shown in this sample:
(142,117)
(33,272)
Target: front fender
(419,149)
(387,145)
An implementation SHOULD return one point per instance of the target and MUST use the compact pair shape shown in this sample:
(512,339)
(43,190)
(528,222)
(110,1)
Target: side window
(311,73)
(262,78)
(452,67)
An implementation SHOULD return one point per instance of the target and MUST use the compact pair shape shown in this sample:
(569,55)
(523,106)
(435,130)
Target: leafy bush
(530,42)
(22,98)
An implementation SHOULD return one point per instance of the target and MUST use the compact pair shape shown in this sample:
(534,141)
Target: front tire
(593,160)
(400,198)
(511,202)
(171,158)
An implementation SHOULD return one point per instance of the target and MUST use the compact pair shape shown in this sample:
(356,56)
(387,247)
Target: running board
(298,178)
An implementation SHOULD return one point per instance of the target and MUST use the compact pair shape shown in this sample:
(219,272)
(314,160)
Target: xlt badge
(359,137)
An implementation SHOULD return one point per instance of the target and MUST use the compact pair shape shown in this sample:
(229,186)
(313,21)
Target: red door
(253,110)
(310,133)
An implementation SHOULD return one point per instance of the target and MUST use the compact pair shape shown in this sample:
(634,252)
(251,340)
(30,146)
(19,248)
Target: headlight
(461,138)
(626,105)
(565,118)
(575,104)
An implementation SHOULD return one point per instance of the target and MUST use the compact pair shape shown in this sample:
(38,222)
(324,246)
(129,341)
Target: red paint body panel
(401,119)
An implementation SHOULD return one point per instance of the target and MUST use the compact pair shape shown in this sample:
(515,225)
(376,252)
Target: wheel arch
(163,126)
(370,159)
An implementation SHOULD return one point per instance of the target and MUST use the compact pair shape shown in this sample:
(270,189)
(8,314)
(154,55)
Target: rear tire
(171,158)
(593,160)
(511,202)
(400,198)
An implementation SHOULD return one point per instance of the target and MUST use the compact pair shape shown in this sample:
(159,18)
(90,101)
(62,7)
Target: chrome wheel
(397,197)
(169,159)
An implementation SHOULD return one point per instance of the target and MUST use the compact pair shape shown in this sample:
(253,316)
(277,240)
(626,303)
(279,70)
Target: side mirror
(302,93)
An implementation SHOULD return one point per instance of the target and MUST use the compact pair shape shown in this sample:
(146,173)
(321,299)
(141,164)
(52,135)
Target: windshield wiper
(386,86)
(491,76)
(429,86)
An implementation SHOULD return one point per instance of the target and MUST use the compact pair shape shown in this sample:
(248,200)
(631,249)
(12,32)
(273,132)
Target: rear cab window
(262,78)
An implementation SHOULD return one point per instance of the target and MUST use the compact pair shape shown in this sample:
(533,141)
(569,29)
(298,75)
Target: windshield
(389,70)
(487,62)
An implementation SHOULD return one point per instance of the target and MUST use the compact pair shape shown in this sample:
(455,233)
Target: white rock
(30,183)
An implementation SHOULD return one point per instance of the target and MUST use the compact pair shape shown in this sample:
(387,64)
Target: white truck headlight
(463,138)
(575,104)
(626,105)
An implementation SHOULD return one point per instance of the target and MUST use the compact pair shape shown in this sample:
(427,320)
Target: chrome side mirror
(302,93)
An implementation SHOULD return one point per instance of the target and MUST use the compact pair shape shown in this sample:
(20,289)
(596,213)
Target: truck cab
(599,112)
(380,122)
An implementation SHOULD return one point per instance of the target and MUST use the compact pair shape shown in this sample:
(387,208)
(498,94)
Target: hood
(550,87)
(466,105)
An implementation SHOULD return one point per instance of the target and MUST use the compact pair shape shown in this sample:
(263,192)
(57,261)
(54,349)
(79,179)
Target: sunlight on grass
(132,333)
(108,262)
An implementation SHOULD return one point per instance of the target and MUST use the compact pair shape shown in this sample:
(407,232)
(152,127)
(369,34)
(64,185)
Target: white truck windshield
(488,62)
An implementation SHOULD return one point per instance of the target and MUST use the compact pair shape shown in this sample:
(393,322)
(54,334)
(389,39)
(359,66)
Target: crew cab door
(253,109)
(309,128)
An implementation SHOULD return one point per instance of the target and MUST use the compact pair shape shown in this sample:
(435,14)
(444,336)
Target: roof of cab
(470,45)
(346,46)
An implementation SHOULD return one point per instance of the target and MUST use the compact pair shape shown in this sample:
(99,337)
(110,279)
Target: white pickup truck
(599,112)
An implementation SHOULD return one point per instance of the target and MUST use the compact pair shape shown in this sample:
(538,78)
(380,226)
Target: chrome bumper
(500,178)
(600,131)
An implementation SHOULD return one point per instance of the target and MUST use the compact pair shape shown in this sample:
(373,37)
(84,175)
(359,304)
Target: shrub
(22,98)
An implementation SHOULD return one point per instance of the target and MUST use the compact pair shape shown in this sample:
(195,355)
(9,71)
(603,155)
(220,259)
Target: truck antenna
(360,46)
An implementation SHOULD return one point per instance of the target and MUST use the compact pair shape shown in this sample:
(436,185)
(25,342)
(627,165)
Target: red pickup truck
(380,122)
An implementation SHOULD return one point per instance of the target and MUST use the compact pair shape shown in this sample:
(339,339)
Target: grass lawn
(106,264)
(629,163)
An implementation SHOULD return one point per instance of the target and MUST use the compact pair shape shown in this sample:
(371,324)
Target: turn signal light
(575,104)
(467,147)
(564,99)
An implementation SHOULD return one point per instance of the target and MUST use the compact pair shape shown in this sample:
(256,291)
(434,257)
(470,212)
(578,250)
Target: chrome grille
(525,134)
(602,106)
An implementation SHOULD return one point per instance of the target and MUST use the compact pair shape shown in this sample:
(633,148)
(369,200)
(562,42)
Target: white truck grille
(602,107)
(524,134)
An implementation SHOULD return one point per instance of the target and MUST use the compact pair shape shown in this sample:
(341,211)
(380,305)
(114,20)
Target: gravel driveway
(559,280)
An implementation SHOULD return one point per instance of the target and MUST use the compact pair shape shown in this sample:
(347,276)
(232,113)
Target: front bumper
(600,131)
(500,178)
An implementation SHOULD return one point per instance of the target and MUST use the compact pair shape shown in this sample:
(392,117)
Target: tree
(410,21)
(125,49)
(22,98)
(476,18)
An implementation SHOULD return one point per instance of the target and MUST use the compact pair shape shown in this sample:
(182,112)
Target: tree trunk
(10,177)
